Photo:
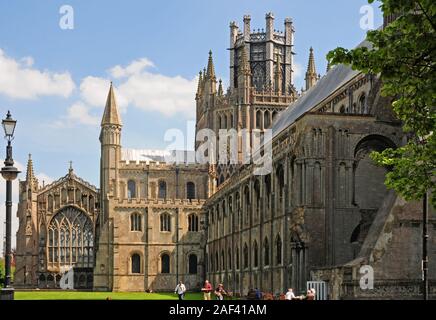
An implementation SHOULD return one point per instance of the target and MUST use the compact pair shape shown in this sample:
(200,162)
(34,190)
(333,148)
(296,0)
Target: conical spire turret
(311,63)
(200,83)
(110,115)
(311,75)
(29,173)
(220,88)
(210,67)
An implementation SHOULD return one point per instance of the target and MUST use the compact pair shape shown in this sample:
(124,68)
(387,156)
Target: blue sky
(152,50)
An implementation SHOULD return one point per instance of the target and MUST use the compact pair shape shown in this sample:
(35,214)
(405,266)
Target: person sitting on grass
(310,294)
(220,292)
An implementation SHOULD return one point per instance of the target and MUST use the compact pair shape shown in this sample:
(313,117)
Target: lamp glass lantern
(9,126)
(9,172)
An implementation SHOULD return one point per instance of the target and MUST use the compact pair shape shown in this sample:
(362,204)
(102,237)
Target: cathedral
(321,214)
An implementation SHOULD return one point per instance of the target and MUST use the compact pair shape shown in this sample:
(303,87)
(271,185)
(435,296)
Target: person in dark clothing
(258,294)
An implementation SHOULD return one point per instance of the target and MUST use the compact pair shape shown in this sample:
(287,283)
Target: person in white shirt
(290,294)
(180,290)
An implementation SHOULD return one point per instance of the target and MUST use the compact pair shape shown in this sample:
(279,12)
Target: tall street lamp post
(9,173)
(425,237)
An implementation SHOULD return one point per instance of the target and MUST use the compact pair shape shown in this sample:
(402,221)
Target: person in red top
(207,290)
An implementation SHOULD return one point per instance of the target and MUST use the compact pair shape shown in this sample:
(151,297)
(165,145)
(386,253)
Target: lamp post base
(7,294)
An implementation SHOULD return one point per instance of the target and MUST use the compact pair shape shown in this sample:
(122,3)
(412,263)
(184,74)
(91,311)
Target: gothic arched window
(165,263)
(278,250)
(280,177)
(229,258)
(342,109)
(71,239)
(258,77)
(131,189)
(217,264)
(256,254)
(259,119)
(257,196)
(165,222)
(223,261)
(192,264)
(266,252)
(190,190)
(237,258)
(268,191)
(245,256)
(246,203)
(221,179)
(266,119)
(162,190)
(362,104)
(274,115)
(136,263)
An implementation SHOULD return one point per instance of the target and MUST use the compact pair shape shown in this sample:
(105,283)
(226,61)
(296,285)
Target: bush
(2,273)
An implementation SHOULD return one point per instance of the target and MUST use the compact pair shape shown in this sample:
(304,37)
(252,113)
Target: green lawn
(80,295)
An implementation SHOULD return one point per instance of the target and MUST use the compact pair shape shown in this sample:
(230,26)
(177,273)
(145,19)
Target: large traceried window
(165,222)
(71,239)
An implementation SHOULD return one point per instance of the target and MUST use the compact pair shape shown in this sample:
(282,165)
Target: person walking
(207,288)
(180,290)
(290,294)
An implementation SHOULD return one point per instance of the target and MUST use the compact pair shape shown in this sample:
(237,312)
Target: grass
(82,295)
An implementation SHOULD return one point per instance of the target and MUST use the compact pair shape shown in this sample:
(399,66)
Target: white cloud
(153,91)
(94,90)
(79,113)
(160,93)
(138,88)
(19,80)
(134,67)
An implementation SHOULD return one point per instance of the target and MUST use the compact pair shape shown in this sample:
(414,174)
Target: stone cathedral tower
(110,139)
(261,85)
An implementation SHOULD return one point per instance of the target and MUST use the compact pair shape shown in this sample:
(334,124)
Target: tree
(403,55)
